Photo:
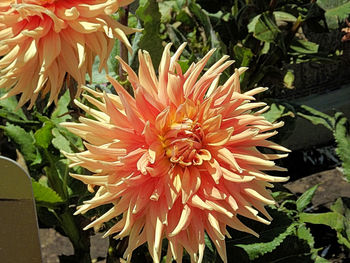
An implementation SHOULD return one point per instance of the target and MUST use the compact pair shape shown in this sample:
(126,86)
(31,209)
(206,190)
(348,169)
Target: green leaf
(264,28)
(43,136)
(45,196)
(10,105)
(210,33)
(265,48)
(321,260)
(305,199)
(288,79)
(99,76)
(342,136)
(316,117)
(208,243)
(331,219)
(23,139)
(60,114)
(304,233)
(304,47)
(279,196)
(177,38)
(283,16)
(148,13)
(279,110)
(243,55)
(271,236)
(166,8)
(335,10)
(338,206)
(183,17)
(258,249)
(60,142)
(15,119)
(342,206)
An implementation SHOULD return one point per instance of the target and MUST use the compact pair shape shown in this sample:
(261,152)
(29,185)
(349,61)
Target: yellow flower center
(183,144)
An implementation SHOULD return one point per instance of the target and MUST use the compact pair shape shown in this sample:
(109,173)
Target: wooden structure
(19,235)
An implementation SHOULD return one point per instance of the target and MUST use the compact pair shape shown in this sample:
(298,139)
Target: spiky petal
(43,40)
(179,159)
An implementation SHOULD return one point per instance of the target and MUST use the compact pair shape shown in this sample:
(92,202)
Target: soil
(331,186)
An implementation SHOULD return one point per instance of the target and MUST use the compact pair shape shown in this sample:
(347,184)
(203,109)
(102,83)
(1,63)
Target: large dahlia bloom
(178,160)
(43,40)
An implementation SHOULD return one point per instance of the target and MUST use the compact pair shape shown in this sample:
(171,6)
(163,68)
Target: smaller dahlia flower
(180,159)
(43,40)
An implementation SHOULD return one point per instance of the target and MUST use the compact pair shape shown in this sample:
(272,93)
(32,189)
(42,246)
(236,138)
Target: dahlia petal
(255,91)
(256,195)
(163,75)
(159,169)
(175,57)
(183,221)
(219,208)
(174,89)
(135,239)
(233,177)
(66,34)
(96,180)
(190,183)
(146,72)
(219,243)
(249,106)
(145,107)
(129,104)
(178,161)
(104,218)
(212,124)
(220,137)
(229,158)
(202,85)
(158,238)
(132,77)
(191,79)
(196,201)
(142,199)
(211,192)
(98,115)
(215,224)
(214,170)
(69,14)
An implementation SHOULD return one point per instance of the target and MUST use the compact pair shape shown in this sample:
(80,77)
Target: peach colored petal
(180,159)
(43,40)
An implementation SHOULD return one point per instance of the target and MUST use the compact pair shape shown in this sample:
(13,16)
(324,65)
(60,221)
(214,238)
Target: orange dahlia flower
(178,160)
(43,40)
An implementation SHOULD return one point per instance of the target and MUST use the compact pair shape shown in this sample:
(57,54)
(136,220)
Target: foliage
(150,40)
(336,11)
(265,36)
(337,219)
(39,138)
(287,239)
(339,125)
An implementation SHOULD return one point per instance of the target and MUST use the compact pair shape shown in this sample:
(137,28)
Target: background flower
(43,40)
(179,159)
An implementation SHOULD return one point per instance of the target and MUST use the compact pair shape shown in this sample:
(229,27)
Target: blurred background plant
(293,47)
